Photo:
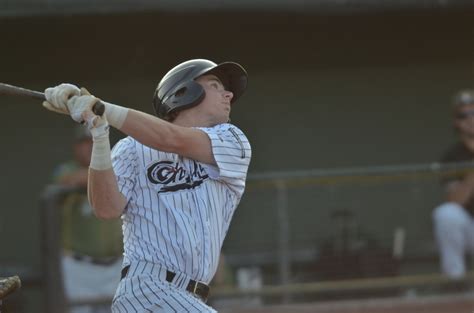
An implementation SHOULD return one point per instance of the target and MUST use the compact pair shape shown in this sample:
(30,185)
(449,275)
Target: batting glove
(98,125)
(81,111)
(57,97)
(85,102)
(77,105)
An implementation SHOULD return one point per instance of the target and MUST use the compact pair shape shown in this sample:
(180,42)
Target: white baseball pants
(145,289)
(454,233)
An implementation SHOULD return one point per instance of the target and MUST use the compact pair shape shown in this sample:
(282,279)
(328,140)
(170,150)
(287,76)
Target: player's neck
(193,120)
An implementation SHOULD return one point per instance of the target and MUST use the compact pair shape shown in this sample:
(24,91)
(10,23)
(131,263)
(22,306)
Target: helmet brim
(233,76)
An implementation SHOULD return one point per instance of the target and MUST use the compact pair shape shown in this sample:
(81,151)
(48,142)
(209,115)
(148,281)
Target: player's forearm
(102,188)
(104,195)
(164,136)
(150,130)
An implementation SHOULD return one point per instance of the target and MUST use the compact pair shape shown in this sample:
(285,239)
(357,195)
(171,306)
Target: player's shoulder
(223,128)
(227,132)
(125,141)
(126,144)
(130,145)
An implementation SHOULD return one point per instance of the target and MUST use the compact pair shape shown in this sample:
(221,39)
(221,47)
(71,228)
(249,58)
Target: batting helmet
(178,89)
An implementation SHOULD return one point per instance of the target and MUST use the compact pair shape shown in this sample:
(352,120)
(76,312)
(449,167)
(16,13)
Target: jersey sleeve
(232,152)
(124,162)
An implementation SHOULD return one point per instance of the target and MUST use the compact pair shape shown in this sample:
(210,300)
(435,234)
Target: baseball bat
(6,89)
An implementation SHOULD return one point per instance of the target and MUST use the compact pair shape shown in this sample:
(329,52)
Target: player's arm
(102,188)
(104,195)
(103,191)
(461,191)
(164,136)
(145,128)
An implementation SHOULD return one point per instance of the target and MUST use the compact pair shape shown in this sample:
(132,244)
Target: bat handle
(98,108)
(6,89)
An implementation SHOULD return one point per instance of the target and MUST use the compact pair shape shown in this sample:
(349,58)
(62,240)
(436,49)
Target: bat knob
(98,108)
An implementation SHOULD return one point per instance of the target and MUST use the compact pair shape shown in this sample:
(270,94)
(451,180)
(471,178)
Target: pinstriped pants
(145,289)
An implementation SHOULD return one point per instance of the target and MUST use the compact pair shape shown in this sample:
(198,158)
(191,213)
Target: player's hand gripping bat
(6,89)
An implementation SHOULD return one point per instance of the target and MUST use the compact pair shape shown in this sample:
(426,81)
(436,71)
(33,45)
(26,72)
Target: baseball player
(454,219)
(176,181)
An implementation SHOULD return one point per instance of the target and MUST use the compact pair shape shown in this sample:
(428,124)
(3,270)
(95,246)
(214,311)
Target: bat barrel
(6,89)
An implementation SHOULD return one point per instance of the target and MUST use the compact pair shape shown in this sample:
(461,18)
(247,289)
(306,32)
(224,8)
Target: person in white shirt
(175,181)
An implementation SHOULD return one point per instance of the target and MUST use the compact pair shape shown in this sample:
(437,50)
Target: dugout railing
(386,208)
(286,220)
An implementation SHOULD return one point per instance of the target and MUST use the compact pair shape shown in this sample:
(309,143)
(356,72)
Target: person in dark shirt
(453,220)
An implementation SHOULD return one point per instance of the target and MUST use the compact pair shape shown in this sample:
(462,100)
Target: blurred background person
(92,248)
(454,219)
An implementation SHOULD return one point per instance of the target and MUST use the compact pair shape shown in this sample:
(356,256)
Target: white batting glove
(77,105)
(98,125)
(57,97)
(99,128)
(85,102)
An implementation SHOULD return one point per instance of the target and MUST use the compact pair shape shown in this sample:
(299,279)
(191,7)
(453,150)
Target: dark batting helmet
(178,89)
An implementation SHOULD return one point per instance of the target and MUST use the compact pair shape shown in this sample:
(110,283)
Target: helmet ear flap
(183,96)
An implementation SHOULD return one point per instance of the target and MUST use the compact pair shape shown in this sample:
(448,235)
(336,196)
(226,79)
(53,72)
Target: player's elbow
(107,205)
(107,210)
(107,213)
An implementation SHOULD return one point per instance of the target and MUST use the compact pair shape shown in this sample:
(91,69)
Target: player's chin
(224,118)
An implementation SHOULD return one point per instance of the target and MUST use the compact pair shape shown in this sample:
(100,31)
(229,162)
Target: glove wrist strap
(101,156)
(116,114)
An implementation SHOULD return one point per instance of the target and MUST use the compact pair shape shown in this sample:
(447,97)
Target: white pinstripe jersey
(179,210)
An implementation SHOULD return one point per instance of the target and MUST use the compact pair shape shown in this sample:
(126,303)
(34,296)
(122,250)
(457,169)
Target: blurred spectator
(92,248)
(454,219)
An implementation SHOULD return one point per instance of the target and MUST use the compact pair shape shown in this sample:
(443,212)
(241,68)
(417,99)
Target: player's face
(464,120)
(216,103)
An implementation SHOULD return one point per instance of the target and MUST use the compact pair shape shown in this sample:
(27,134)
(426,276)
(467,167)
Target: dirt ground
(457,303)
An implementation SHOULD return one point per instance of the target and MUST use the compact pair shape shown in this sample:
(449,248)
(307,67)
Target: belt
(197,288)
